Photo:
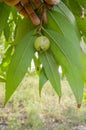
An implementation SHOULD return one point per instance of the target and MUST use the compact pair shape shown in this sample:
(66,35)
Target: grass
(28,111)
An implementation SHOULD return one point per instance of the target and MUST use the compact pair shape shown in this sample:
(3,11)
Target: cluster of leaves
(19,34)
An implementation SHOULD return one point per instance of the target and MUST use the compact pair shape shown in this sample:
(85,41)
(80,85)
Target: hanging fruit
(42,44)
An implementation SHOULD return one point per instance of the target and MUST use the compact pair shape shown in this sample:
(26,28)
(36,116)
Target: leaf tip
(78,105)
(59,99)
(40,93)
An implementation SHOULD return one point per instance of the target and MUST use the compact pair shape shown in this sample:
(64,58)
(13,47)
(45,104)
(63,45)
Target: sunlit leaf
(71,63)
(21,60)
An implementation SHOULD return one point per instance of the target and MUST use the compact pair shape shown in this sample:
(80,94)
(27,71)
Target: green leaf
(21,60)
(4,14)
(7,31)
(42,80)
(23,27)
(66,11)
(66,55)
(66,27)
(76,8)
(14,14)
(51,70)
(71,52)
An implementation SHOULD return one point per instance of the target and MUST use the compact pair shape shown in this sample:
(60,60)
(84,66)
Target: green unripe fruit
(42,44)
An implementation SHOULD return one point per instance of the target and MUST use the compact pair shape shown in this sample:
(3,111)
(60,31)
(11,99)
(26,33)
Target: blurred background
(27,110)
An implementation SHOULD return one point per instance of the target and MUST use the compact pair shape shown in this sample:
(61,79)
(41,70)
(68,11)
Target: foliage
(65,29)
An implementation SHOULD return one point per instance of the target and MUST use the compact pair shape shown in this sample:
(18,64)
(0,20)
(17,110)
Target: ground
(28,111)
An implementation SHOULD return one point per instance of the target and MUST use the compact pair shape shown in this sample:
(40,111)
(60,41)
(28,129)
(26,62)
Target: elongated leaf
(66,11)
(51,70)
(71,52)
(73,76)
(42,80)
(67,28)
(77,10)
(23,27)
(70,64)
(19,64)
